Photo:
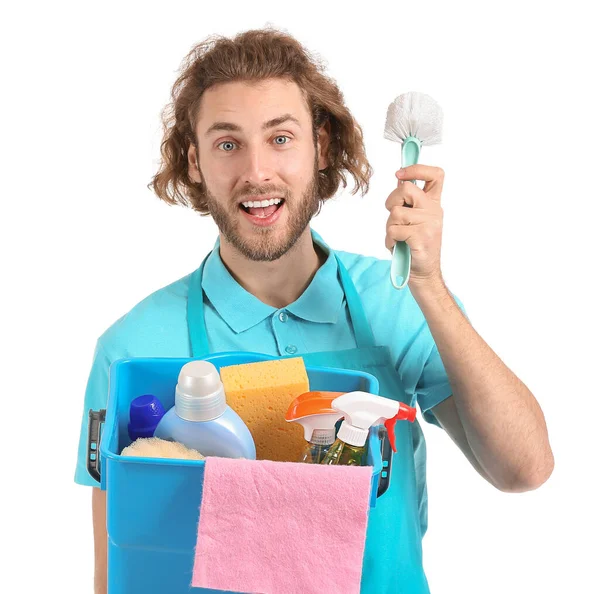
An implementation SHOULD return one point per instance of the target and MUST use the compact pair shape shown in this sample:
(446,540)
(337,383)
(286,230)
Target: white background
(83,240)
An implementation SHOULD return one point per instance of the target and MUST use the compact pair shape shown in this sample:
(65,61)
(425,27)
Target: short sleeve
(433,386)
(96,398)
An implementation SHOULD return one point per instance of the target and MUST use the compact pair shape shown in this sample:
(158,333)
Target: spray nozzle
(363,410)
(313,411)
(405,413)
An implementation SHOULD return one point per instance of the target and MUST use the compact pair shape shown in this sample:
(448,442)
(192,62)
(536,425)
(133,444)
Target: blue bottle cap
(145,412)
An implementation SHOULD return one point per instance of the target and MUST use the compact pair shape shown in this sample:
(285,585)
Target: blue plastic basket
(153,504)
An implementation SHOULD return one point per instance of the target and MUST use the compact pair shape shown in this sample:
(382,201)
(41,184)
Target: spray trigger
(405,413)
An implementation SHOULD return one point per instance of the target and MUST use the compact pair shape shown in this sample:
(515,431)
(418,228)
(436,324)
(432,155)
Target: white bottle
(201,419)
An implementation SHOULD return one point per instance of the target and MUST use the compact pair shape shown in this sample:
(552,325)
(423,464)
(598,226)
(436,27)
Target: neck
(277,283)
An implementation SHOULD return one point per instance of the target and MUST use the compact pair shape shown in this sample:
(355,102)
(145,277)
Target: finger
(405,194)
(400,215)
(432,176)
(399,233)
(414,235)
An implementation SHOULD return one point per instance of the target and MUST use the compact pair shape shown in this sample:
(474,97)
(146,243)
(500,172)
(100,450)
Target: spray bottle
(313,411)
(362,410)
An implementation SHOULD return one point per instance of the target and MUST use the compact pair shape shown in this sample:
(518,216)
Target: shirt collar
(320,302)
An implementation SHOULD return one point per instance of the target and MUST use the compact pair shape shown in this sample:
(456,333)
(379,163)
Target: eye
(227,143)
(281,137)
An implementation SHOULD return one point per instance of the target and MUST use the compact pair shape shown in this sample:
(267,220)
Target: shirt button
(283,317)
(291,349)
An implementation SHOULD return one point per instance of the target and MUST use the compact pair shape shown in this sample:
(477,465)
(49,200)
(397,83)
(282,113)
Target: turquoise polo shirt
(317,321)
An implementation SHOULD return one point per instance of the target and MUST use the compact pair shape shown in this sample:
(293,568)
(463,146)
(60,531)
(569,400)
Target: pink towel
(280,527)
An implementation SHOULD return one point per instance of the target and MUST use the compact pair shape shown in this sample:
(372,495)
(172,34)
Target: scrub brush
(414,120)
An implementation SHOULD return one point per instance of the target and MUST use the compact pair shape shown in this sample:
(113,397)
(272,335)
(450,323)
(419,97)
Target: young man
(258,137)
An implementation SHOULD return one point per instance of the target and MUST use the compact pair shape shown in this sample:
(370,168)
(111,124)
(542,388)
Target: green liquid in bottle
(314,454)
(345,454)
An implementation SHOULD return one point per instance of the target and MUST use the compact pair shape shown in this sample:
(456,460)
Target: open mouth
(262,209)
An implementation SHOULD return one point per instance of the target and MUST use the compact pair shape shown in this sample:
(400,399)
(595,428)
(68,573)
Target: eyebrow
(228,126)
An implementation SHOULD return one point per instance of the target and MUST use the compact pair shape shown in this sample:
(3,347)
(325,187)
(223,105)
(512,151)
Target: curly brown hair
(253,56)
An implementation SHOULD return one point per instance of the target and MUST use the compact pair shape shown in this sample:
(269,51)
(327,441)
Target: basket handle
(96,420)
(386,456)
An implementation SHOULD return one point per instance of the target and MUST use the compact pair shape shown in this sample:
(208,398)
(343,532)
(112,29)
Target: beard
(266,244)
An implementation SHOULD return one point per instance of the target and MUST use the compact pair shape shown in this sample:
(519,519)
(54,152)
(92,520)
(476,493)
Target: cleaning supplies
(413,119)
(260,393)
(362,410)
(153,447)
(145,412)
(201,419)
(313,411)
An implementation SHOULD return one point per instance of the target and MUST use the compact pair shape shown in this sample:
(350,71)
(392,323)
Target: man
(258,137)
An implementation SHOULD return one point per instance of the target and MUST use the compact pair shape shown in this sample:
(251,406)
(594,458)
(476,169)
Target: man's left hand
(416,217)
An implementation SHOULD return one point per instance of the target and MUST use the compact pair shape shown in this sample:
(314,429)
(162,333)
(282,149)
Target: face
(257,159)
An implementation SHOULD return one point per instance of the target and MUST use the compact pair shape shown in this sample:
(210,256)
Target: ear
(193,172)
(323,136)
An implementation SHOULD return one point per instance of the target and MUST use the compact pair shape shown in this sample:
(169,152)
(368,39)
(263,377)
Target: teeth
(262,203)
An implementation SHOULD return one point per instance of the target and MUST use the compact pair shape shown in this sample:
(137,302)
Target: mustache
(262,191)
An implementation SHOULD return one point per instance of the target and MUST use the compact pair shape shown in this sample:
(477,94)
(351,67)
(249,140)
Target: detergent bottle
(201,419)
(313,411)
(361,410)
(145,413)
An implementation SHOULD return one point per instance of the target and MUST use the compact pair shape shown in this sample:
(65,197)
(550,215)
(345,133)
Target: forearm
(100,540)
(502,420)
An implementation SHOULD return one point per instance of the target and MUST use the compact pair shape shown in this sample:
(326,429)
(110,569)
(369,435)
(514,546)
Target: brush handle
(400,270)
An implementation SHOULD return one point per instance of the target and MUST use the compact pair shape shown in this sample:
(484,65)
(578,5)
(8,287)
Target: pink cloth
(280,527)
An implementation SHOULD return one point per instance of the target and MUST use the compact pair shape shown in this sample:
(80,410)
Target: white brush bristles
(414,114)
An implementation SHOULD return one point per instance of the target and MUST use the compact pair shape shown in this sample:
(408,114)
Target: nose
(257,167)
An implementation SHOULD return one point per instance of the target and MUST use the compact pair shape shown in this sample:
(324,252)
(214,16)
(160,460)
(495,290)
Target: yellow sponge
(154,447)
(261,394)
